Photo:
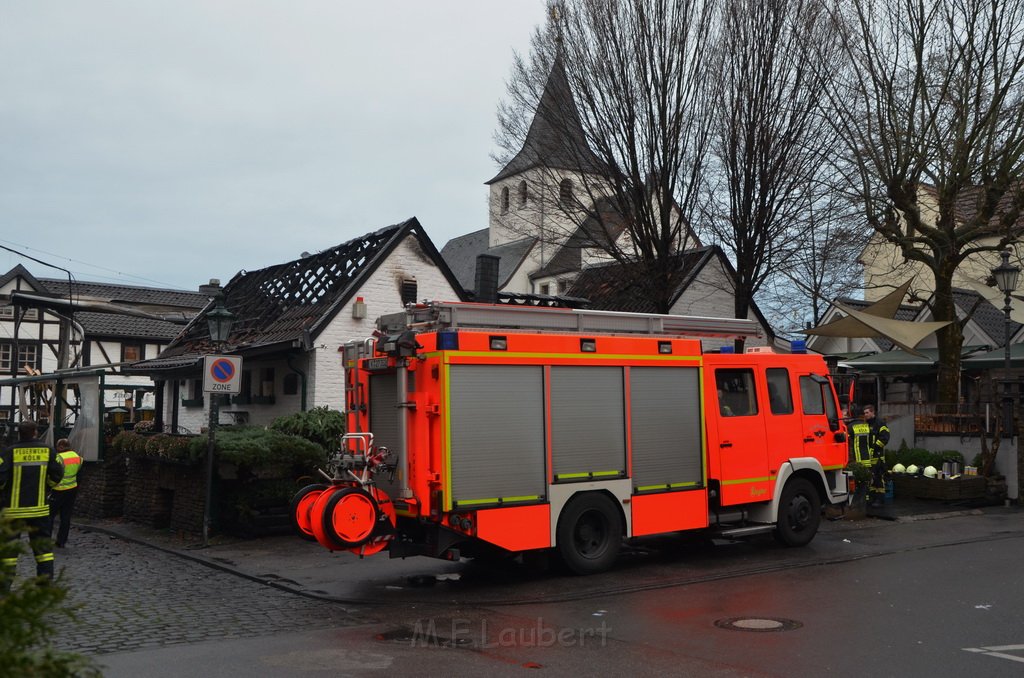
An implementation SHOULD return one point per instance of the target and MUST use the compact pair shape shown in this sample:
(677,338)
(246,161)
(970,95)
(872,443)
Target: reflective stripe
(44,558)
(26,511)
(588,474)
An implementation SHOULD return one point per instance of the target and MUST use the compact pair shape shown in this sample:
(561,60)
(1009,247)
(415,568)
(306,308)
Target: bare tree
(769,139)
(932,117)
(824,266)
(617,147)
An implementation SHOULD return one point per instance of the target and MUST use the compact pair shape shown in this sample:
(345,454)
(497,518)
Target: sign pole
(221,375)
(211,430)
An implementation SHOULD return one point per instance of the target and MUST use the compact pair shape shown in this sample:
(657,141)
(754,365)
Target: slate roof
(617,287)
(556,138)
(968,203)
(103,325)
(124,326)
(599,230)
(460,254)
(292,302)
(80,289)
(990,319)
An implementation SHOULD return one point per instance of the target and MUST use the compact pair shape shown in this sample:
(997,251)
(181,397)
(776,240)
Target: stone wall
(165,494)
(101,488)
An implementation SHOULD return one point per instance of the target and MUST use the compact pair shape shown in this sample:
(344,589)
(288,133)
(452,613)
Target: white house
(291,319)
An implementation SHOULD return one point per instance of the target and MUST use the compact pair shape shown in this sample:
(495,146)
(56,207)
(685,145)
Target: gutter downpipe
(302,379)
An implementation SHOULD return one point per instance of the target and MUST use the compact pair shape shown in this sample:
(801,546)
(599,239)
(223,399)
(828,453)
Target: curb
(213,564)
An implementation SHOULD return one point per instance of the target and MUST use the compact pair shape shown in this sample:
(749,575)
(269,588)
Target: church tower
(530,196)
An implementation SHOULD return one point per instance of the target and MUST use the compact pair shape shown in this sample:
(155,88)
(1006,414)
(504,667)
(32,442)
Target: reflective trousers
(38,530)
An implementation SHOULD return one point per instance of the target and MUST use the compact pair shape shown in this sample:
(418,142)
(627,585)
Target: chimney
(211,288)
(486,289)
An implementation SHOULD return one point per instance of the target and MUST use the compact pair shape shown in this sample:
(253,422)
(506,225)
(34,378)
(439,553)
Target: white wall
(382,296)
(710,295)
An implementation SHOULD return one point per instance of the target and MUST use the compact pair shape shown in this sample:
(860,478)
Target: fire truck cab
(475,427)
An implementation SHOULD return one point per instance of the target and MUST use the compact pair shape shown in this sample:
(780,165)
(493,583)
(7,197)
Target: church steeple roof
(556,138)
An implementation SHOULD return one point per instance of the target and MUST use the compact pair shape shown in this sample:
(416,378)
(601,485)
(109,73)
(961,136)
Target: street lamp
(1006,276)
(219,320)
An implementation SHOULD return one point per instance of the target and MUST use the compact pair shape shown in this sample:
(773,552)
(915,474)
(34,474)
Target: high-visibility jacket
(879,436)
(27,470)
(860,437)
(72,462)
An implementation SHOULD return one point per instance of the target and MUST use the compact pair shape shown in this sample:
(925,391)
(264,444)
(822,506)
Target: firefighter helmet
(912,468)
(930,472)
(899,468)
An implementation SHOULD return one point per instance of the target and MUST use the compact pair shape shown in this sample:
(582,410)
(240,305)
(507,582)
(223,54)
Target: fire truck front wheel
(799,513)
(589,533)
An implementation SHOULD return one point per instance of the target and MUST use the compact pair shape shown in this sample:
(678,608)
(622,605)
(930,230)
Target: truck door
(819,411)
(740,440)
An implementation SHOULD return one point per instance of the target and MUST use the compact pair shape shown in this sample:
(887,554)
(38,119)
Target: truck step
(742,531)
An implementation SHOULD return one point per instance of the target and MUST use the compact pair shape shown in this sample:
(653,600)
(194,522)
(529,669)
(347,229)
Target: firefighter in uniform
(28,469)
(878,438)
(62,500)
(860,448)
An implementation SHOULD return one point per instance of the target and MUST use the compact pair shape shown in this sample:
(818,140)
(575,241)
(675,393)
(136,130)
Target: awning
(995,358)
(895,362)
(922,361)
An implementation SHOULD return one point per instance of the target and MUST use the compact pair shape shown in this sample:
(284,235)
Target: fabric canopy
(877,320)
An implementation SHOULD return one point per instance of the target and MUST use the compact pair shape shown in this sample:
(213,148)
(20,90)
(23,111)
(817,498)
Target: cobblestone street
(133,596)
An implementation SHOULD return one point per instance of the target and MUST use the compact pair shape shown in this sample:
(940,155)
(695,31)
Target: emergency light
(447,341)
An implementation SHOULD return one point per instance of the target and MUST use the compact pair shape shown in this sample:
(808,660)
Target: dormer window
(522,194)
(504,200)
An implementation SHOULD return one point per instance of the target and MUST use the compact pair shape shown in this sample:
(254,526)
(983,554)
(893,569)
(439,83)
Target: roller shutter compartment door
(665,423)
(588,427)
(497,434)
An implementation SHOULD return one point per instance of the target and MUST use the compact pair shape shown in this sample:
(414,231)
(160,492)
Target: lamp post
(219,320)
(1006,276)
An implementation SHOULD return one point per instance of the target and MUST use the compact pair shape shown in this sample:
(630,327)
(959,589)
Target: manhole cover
(758,624)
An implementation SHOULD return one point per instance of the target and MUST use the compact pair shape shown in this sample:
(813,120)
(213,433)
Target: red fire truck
(477,427)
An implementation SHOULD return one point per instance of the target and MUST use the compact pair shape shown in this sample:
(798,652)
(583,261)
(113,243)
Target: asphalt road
(936,598)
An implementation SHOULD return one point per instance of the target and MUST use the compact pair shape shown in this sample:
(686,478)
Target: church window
(522,194)
(504,200)
(565,196)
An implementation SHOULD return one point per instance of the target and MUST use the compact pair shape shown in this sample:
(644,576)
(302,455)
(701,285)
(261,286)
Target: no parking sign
(222,374)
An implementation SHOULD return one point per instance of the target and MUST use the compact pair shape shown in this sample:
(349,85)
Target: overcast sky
(167,143)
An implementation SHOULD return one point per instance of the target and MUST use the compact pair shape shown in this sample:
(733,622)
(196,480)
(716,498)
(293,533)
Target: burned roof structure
(287,305)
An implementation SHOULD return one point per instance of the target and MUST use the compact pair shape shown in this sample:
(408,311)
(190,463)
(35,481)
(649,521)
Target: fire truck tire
(302,504)
(799,513)
(589,533)
(350,517)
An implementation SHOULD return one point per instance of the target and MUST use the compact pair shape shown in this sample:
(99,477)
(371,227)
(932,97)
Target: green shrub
(254,448)
(158,446)
(320,425)
(30,615)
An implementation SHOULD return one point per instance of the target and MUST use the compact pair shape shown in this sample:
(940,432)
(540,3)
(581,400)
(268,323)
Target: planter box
(918,487)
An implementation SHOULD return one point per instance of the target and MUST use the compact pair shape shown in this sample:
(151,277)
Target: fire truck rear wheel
(799,513)
(301,504)
(350,517)
(589,533)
